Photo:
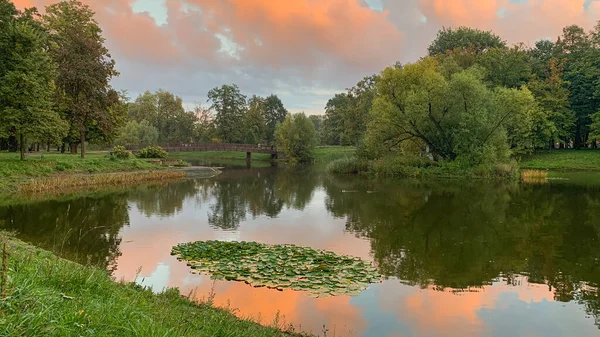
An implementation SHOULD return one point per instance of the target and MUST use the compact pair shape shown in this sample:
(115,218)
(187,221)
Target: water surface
(460,259)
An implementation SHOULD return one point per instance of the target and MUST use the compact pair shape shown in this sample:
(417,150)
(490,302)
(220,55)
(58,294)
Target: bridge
(218,147)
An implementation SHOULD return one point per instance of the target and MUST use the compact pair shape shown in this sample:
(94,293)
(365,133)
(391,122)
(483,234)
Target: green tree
(333,125)
(356,114)
(205,127)
(582,70)
(296,138)
(318,123)
(256,128)
(552,93)
(476,40)
(230,107)
(165,112)
(85,67)
(507,67)
(26,78)
(456,118)
(137,134)
(274,112)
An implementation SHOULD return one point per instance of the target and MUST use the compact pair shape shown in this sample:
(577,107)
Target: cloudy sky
(302,50)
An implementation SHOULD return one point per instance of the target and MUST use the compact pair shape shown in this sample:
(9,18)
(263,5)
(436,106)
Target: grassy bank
(14,172)
(563,160)
(43,295)
(406,167)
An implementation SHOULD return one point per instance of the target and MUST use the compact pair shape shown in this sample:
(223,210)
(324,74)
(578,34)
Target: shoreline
(43,294)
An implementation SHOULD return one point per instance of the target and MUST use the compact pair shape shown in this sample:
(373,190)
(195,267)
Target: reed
(534,176)
(110,179)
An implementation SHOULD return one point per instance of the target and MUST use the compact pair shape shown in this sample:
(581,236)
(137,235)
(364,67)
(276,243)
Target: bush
(152,152)
(120,152)
(348,166)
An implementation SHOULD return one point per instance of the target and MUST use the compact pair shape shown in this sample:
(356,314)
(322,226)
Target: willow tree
(85,68)
(26,79)
(448,118)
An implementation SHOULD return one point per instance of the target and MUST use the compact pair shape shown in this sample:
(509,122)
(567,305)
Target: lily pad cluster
(320,273)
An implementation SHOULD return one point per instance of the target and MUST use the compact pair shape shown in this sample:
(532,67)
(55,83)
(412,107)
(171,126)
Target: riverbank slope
(44,295)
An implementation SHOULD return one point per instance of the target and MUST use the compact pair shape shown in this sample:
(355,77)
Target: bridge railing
(214,147)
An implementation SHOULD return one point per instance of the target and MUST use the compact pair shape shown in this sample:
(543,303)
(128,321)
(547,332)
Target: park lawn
(326,154)
(45,295)
(14,172)
(563,160)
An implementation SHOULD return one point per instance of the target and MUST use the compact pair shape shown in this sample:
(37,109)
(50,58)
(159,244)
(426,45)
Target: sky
(304,51)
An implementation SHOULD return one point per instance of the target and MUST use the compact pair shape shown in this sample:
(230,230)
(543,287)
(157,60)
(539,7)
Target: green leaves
(319,272)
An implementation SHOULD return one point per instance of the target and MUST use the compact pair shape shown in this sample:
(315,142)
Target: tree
(274,112)
(205,126)
(476,40)
(582,70)
(256,128)
(356,113)
(26,78)
(318,123)
(137,134)
(85,67)
(296,138)
(333,125)
(456,118)
(230,106)
(507,67)
(164,111)
(552,94)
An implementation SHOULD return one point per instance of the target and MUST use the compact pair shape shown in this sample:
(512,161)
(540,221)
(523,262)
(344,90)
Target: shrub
(120,152)
(152,152)
(348,166)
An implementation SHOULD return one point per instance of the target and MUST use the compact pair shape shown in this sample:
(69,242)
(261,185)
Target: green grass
(327,154)
(14,172)
(563,160)
(50,296)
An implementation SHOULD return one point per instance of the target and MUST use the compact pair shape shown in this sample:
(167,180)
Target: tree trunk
(74,148)
(37,147)
(22,146)
(48,147)
(62,148)
(82,133)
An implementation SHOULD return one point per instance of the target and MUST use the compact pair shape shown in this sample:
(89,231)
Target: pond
(458,258)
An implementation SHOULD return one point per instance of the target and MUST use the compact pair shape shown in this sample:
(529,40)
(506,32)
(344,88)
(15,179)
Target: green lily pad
(320,273)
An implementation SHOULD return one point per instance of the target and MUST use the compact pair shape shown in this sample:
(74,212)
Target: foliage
(256,127)
(274,113)
(479,41)
(459,118)
(321,273)
(85,69)
(230,106)
(120,152)
(346,114)
(26,80)
(296,138)
(152,152)
(80,300)
(164,111)
(348,166)
(136,134)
